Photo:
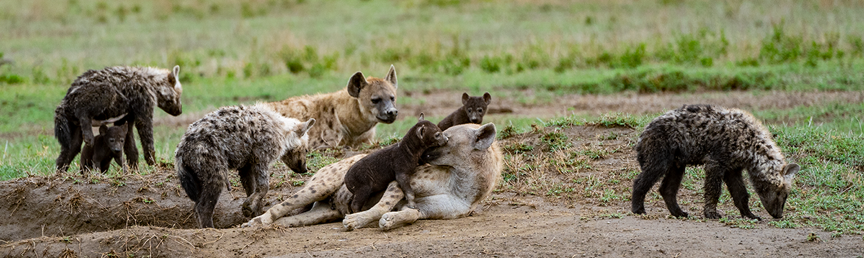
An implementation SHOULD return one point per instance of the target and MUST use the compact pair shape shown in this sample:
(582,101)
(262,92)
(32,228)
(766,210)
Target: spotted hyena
(106,146)
(472,111)
(373,173)
(460,175)
(128,93)
(726,141)
(246,138)
(346,117)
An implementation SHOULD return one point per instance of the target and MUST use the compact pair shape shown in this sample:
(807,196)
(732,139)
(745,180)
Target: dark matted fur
(106,146)
(374,172)
(472,111)
(246,138)
(726,141)
(114,92)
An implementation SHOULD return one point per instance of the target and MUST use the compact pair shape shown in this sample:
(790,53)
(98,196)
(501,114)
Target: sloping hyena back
(726,141)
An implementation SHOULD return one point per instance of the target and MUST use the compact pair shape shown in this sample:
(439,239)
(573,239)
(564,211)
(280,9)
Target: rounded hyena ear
(356,83)
(103,129)
(176,73)
(304,127)
(391,77)
(465,98)
(487,98)
(421,117)
(790,170)
(484,136)
(420,131)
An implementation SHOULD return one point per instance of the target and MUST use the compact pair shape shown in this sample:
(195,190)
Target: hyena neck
(471,180)
(352,116)
(766,162)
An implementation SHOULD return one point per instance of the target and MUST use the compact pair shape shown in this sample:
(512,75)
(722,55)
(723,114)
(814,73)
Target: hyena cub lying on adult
(726,141)
(246,138)
(472,111)
(106,146)
(373,173)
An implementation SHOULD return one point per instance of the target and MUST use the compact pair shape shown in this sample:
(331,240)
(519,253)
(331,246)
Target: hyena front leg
(325,182)
(145,130)
(669,190)
(320,213)
(389,200)
(735,184)
(129,148)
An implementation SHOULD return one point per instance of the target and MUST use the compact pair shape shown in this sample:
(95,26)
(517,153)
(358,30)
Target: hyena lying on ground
(248,139)
(374,172)
(346,117)
(459,176)
(108,145)
(726,141)
(472,111)
(115,92)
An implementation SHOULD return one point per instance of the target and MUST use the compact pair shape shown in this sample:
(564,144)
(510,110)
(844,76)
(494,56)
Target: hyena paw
(751,216)
(680,214)
(262,220)
(247,211)
(355,221)
(387,221)
(712,215)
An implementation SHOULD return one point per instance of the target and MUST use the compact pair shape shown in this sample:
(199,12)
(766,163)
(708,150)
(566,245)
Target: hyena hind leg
(713,186)
(207,203)
(651,173)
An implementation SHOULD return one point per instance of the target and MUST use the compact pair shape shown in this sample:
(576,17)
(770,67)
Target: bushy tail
(61,128)
(190,182)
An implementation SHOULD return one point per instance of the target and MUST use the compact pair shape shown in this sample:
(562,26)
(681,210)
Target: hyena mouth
(386,119)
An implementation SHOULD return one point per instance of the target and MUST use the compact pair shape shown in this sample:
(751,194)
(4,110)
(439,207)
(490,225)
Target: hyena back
(127,92)
(246,138)
(726,141)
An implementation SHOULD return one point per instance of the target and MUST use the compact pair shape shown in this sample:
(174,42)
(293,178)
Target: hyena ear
(790,170)
(391,77)
(465,98)
(420,131)
(103,129)
(124,128)
(176,73)
(487,98)
(484,136)
(303,128)
(356,83)
(421,117)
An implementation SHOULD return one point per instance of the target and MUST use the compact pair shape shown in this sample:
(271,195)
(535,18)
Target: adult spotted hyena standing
(128,92)
(248,139)
(726,141)
(346,117)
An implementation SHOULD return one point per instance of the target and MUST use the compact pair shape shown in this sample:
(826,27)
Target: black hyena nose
(392,112)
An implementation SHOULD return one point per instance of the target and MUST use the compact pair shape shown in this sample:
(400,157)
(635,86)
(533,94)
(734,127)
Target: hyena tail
(189,180)
(61,128)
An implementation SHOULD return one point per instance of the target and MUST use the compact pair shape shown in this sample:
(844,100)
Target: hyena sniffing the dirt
(472,111)
(246,138)
(127,92)
(346,117)
(726,141)
(108,145)
(397,162)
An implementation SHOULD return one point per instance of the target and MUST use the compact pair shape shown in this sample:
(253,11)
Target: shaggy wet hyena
(397,162)
(246,138)
(472,111)
(127,92)
(106,146)
(726,141)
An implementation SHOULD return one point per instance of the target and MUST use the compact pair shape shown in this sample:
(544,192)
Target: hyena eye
(375,101)
(480,110)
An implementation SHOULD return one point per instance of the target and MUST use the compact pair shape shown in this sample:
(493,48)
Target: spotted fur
(726,141)
(346,117)
(459,176)
(246,138)
(128,92)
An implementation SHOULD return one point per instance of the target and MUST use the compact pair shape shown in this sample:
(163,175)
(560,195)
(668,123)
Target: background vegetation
(234,52)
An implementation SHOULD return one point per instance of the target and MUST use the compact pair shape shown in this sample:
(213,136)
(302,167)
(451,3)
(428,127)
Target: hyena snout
(388,115)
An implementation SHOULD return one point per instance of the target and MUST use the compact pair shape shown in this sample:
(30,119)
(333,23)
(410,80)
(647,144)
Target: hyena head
(475,107)
(429,133)
(115,136)
(773,195)
(295,158)
(168,93)
(464,142)
(377,97)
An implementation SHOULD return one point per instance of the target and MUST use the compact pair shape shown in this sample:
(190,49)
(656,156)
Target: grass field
(240,52)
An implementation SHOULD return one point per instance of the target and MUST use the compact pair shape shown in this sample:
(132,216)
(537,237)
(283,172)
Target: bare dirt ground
(72,215)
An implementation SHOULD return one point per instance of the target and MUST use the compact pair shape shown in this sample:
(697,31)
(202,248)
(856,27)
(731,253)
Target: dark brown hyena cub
(472,111)
(726,141)
(106,146)
(246,138)
(373,173)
